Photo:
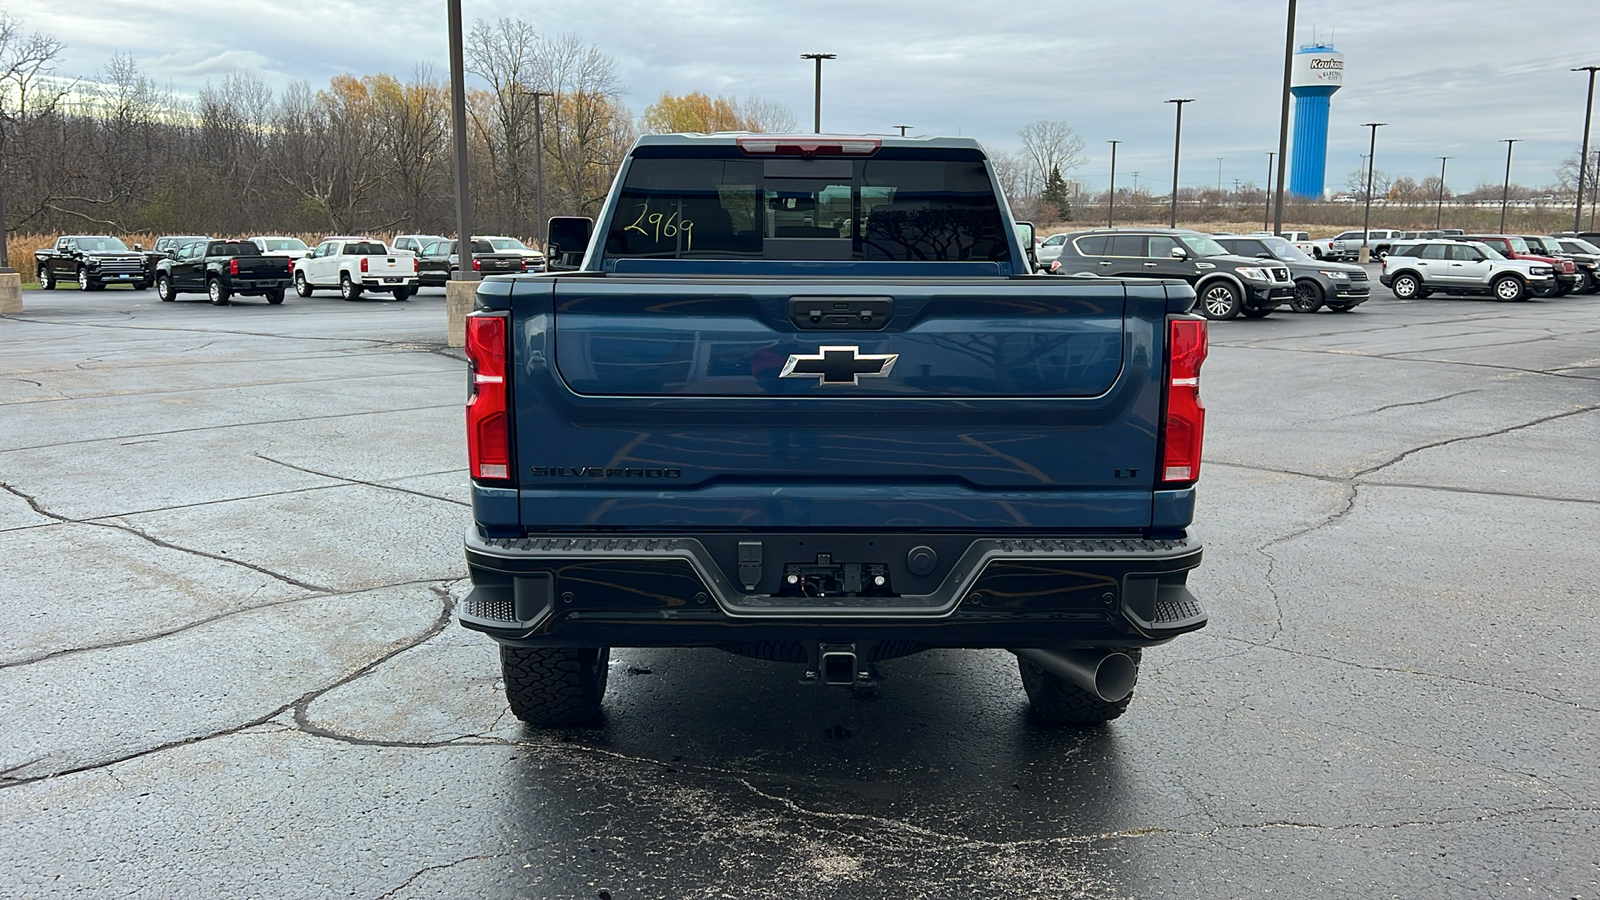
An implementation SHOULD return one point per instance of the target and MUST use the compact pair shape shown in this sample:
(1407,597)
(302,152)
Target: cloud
(225,62)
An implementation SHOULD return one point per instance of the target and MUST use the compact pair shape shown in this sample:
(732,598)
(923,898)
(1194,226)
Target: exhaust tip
(1115,676)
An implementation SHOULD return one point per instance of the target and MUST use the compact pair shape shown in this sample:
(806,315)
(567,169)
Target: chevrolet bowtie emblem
(839,366)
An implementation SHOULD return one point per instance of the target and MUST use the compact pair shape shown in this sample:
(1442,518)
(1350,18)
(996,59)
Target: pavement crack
(124,527)
(1368,412)
(199,623)
(435,868)
(254,424)
(1474,437)
(373,484)
(446,610)
(1395,670)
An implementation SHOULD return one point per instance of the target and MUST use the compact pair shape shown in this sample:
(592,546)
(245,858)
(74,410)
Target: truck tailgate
(770,403)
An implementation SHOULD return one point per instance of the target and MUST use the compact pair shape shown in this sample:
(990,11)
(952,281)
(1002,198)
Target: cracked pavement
(230,549)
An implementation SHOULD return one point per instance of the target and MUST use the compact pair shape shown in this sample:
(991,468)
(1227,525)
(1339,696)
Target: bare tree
(30,104)
(1049,146)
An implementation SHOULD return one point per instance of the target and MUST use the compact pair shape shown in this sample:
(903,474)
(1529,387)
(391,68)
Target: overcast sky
(1451,77)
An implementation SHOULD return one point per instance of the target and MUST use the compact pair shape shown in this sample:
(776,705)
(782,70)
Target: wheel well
(1232,280)
(1516,275)
(1412,272)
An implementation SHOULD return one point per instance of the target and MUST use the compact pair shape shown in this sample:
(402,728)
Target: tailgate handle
(841,313)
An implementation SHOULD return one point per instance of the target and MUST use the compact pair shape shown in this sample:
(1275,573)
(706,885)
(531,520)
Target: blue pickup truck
(804,399)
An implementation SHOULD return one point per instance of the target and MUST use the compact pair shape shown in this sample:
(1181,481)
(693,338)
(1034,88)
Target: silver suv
(1415,270)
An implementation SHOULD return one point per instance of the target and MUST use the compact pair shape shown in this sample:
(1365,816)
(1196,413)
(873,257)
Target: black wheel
(1058,701)
(403,293)
(143,286)
(1257,313)
(301,285)
(348,289)
(1341,307)
(275,296)
(1509,287)
(217,292)
(1220,300)
(1307,296)
(1406,286)
(47,282)
(1591,283)
(561,686)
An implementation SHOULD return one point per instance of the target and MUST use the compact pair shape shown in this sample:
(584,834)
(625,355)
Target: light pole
(458,124)
(1505,189)
(816,123)
(1583,155)
(538,165)
(1283,119)
(1438,216)
(1177,145)
(903,128)
(1366,219)
(1219,176)
(1111,196)
(1266,217)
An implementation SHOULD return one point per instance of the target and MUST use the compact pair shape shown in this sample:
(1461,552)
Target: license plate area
(826,578)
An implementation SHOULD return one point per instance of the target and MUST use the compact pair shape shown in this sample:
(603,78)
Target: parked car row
(1503,266)
(266,265)
(1234,275)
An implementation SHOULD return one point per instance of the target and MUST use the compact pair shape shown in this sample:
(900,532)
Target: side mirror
(567,241)
(1025,238)
(1263,256)
(138,248)
(1179,253)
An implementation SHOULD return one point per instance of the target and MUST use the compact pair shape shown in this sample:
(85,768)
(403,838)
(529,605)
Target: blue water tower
(1318,71)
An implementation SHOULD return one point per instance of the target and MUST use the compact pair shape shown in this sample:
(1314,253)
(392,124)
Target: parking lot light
(817,108)
(1438,215)
(1111,195)
(1366,219)
(1177,145)
(1583,155)
(1505,190)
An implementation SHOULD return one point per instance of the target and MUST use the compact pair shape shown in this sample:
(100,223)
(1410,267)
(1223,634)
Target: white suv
(1413,271)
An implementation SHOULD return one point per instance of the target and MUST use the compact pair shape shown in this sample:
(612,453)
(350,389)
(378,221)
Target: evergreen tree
(1055,194)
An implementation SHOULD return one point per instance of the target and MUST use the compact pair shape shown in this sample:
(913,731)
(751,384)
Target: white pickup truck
(1347,244)
(354,264)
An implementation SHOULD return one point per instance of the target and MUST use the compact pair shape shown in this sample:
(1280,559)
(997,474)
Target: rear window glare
(736,207)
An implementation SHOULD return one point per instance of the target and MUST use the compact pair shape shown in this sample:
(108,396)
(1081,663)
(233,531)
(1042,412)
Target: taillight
(363,264)
(233,265)
(488,425)
(1184,429)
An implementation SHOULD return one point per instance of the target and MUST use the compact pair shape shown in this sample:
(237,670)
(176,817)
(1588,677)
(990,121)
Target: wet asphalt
(230,543)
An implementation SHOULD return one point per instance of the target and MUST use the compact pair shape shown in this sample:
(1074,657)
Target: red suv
(1514,247)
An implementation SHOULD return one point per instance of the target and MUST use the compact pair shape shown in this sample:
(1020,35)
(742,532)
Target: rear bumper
(683,591)
(389,283)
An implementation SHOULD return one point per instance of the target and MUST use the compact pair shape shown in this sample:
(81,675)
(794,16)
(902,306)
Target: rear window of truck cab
(896,205)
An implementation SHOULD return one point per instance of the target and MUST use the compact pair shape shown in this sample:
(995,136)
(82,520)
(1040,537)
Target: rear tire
(403,293)
(217,292)
(164,288)
(47,282)
(301,285)
(1220,300)
(555,686)
(1307,296)
(348,289)
(1060,702)
(275,296)
(1406,286)
(1509,288)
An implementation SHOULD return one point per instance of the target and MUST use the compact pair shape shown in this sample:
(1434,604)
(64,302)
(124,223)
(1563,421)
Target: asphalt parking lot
(230,542)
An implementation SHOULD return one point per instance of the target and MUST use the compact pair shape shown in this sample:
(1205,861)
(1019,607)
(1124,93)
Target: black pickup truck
(92,260)
(223,270)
